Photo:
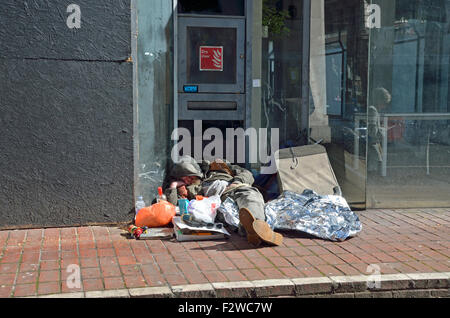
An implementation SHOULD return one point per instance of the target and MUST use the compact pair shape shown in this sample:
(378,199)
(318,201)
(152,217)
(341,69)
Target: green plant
(274,19)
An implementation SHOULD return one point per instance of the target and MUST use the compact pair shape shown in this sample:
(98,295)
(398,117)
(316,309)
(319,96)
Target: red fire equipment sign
(211,58)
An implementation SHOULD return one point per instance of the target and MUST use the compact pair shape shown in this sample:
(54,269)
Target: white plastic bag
(217,187)
(204,210)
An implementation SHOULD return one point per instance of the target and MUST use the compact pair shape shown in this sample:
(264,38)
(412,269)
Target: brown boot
(266,234)
(258,230)
(246,218)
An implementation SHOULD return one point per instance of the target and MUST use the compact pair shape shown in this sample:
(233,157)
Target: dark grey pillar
(66,114)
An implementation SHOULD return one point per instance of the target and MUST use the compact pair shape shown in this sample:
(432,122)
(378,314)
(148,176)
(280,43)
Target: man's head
(221,166)
(188,180)
(186,167)
(381,98)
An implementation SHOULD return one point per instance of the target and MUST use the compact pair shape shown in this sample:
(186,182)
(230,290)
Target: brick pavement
(36,262)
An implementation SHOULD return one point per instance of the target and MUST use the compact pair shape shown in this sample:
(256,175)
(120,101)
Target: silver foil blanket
(230,212)
(327,217)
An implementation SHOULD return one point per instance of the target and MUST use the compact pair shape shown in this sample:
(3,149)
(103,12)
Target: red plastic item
(135,231)
(158,215)
(397,129)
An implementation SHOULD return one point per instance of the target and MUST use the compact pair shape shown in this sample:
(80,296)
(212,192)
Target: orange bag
(158,215)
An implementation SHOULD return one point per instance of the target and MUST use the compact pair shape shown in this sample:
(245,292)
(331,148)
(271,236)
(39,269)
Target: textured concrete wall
(38,29)
(66,114)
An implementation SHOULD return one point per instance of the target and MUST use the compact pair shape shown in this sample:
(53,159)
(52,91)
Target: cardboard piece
(157,233)
(306,167)
(184,232)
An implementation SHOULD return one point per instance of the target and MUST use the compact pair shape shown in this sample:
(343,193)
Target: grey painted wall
(38,29)
(66,114)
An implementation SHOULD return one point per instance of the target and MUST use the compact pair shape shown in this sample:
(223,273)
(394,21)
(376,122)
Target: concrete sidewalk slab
(405,249)
(410,285)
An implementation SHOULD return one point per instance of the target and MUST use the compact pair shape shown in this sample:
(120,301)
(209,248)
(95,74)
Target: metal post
(428,151)
(304,120)
(247,120)
(385,140)
(175,70)
(356,144)
(134,57)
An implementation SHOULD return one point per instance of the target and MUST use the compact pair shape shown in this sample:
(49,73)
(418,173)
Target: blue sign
(190,88)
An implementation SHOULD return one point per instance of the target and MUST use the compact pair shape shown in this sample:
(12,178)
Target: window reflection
(338,32)
(410,59)
(281,69)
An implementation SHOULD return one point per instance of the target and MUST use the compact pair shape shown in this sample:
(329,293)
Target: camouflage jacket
(240,176)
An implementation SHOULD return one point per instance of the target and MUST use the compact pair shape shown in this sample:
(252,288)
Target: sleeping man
(187,180)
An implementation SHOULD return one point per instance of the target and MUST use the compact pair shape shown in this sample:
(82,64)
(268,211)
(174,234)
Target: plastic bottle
(140,203)
(161,196)
(183,204)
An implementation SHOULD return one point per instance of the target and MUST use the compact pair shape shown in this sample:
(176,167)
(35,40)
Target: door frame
(221,22)
(244,114)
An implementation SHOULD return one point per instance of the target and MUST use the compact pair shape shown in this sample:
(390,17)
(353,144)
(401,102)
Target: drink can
(183,204)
